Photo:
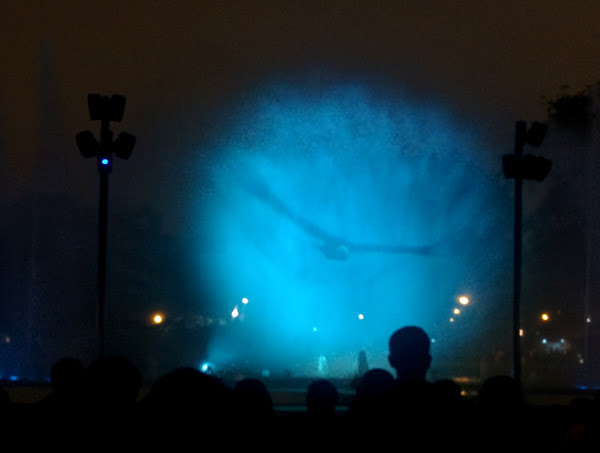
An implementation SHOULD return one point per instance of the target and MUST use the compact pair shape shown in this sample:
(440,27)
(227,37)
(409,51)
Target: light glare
(545,317)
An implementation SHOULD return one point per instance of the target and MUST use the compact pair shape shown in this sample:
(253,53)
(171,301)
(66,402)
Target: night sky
(268,130)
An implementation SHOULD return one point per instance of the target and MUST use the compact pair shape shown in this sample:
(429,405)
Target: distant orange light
(157,318)
(545,317)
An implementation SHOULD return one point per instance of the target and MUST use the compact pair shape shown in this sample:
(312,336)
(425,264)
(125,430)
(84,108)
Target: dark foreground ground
(289,395)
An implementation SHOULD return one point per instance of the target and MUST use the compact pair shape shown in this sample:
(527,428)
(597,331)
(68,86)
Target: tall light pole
(105,110)
(519,167)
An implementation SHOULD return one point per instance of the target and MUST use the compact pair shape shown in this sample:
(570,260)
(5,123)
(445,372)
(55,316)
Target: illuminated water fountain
(342,214)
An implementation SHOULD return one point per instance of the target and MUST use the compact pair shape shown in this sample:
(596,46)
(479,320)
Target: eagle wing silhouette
(333,247)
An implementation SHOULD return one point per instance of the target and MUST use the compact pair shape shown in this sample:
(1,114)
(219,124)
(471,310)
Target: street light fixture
(529,166)
(87,144)
(105,110)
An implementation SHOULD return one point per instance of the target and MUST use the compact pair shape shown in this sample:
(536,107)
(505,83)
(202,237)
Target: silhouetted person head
(252,401)
(66,374)
(4,399)
(374,384)
(409,353)
(186,387)
(501,394)
(501,414)
(318,425)
(253,415)
(449,391)
(371,396)
(113,382)
(185,399)
(416,413)
(322,397)
(67,378)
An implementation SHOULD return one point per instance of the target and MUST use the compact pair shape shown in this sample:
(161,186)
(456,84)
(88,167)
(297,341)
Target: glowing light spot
(314,329)
(521,332)
(104,161)
(463,300)
(456,311)
(157,319)
(545,317)
(544,341)
(451,319)
(361,316)
(206,367)
(235,313)
(244,300)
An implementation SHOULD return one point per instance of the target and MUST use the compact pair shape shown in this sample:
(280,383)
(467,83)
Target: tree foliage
(572,110)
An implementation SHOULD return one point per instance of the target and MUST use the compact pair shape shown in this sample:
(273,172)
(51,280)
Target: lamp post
(519,167)
(105,110)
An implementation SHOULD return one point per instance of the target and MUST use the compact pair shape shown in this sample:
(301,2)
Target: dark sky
(179,63)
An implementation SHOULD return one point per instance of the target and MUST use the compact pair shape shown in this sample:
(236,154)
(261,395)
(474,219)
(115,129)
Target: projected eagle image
(332,247)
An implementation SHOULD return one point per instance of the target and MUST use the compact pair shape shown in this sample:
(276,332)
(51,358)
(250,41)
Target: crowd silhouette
(103,403)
